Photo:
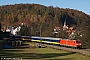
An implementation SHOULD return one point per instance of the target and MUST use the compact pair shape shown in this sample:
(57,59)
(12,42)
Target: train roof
(46,38)
(26,36)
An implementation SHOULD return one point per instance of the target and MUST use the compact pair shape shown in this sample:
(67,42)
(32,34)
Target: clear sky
(81,5)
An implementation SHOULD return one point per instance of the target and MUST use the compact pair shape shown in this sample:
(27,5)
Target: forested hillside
(36,17)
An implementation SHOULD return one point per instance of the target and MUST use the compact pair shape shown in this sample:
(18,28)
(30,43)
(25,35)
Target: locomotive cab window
(78,42)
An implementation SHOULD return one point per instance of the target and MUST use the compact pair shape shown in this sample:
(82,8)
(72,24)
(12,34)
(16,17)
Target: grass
(1,44)
(40,53)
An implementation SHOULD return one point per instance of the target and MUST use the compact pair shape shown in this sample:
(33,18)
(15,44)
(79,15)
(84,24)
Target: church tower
(65,25)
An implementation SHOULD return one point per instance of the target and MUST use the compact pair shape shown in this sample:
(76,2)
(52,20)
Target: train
(58,41)
(50,40)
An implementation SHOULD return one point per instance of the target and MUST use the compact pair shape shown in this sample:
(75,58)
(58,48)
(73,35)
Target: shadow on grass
(38,55)
(62,59)
(23,46)
(10,53)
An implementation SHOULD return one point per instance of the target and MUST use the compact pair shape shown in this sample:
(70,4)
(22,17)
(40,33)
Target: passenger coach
(48,40)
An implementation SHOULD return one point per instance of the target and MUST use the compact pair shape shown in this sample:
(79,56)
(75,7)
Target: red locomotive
(71,43)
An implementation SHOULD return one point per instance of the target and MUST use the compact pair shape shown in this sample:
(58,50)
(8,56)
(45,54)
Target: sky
(81,5)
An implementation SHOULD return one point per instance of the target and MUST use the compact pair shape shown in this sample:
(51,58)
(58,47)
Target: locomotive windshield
(78,41)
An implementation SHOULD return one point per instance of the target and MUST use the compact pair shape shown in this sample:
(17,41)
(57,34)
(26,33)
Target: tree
(24,30)
(85,38)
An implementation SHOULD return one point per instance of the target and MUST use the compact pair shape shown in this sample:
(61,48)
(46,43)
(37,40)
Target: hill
(35,16)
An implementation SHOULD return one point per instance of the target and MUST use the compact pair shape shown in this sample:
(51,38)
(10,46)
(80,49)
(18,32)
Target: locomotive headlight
(79,44)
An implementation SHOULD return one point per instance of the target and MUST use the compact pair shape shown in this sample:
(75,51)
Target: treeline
(38,17)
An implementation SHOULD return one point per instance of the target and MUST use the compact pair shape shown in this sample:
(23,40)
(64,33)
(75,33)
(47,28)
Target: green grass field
(40,53)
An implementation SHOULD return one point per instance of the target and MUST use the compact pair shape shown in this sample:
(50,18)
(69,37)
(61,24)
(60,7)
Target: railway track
(82,51)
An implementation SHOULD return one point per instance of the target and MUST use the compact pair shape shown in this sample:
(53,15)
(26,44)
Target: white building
(15,30)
